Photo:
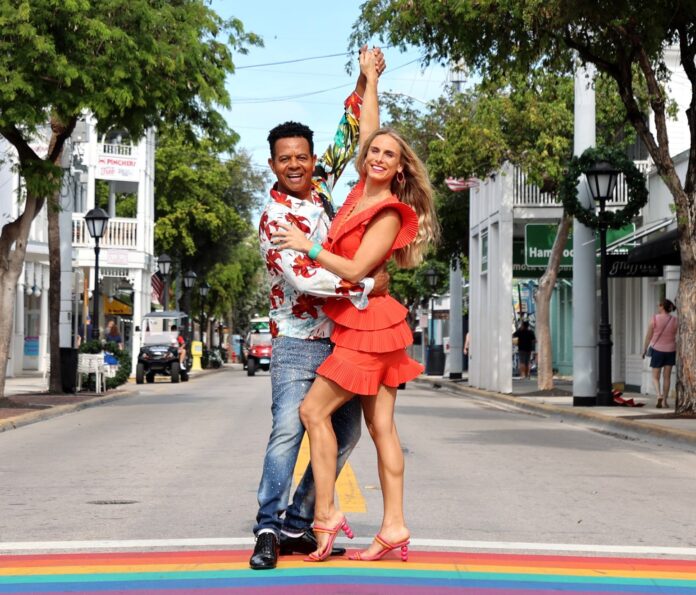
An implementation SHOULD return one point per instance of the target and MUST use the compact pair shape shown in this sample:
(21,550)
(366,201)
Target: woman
(112,333)
(662,338)
(389,212)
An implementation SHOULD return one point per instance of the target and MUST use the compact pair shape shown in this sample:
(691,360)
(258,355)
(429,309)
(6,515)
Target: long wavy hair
(416,192)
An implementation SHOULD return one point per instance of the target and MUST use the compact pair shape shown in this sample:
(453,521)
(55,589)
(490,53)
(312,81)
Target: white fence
(120,233)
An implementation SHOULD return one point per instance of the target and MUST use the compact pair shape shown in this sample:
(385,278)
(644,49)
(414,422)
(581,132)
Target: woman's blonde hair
(415,191)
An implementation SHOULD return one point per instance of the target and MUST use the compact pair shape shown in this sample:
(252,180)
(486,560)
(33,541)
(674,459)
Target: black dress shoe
(304,544)
(265,554)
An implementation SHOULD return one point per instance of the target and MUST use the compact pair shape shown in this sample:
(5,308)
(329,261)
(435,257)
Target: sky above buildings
(266,92)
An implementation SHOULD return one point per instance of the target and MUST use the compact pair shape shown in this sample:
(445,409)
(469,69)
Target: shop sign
(618,266)
(117,167)
(31,346)
(115,307)
(521,270)
(539,238)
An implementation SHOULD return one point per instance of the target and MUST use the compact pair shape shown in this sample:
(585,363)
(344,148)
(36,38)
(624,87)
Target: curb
(624,427)
(12,423)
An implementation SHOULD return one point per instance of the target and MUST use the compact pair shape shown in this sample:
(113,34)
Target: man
(181,346)
(526,340)
(301,331)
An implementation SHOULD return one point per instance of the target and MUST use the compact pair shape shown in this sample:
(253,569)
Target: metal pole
(95,321)
(456,338)
(166,293)
(584,259)
(188,313)
(604,396)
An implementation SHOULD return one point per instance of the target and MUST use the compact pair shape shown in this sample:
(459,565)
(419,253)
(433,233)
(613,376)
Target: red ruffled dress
(370,343)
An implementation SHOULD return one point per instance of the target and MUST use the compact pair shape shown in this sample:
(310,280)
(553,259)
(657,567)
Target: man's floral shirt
(299,286)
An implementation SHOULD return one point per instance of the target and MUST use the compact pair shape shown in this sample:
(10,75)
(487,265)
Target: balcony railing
(529,195)
(114,149)
(120,233)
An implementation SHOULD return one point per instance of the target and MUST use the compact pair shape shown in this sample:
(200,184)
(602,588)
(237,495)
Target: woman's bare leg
(656,383)
(666,381)
(321,401)
(379,417)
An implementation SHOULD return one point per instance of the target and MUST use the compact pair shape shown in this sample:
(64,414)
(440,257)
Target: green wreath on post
(635,184)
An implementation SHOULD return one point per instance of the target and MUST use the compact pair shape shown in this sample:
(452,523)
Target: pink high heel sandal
(342,525)
(387,547)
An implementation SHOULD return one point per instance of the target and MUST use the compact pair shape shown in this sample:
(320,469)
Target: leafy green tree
(131,63)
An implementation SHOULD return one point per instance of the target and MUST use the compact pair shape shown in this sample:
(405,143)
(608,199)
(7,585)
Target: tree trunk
(686,307)
(11,262)
(543,307)
(55,378)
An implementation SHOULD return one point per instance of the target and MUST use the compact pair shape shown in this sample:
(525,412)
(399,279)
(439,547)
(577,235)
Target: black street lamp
(97,220)
(602,182)
(189,280)
(203,290)
(435,355)
(164,262)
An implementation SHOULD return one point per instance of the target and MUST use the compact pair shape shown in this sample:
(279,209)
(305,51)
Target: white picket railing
(529,195)
(120,233)
(114,149)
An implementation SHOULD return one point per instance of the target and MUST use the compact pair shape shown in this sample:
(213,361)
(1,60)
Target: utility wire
(298,96)
(300,59)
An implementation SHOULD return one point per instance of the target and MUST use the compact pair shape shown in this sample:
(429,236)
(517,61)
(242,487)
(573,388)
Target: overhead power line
(300,95)
(300,59)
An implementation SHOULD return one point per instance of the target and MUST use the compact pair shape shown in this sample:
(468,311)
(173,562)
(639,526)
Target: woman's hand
(289,236)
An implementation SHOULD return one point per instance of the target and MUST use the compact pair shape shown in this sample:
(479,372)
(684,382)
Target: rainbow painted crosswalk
(426,572)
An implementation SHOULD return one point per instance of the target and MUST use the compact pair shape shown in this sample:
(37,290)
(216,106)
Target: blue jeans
(294,363)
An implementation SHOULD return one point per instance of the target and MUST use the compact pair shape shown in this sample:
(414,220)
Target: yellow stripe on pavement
(350,498)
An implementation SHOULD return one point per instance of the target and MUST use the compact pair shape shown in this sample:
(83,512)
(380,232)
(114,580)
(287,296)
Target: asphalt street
(182,462)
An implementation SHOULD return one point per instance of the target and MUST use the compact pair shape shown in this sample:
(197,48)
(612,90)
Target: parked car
(257,351)
(159,350)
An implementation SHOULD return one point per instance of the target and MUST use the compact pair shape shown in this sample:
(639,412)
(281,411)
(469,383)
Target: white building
(95,166)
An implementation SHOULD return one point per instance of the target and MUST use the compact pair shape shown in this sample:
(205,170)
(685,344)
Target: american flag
(157,287)
(459,184)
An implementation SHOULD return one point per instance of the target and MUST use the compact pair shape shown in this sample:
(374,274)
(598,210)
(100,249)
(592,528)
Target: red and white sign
(459,184)
(117,167)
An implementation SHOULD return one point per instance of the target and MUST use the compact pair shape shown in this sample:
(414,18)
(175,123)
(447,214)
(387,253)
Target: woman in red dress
(389,213)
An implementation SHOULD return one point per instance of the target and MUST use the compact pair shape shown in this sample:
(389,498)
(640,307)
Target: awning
(663,250)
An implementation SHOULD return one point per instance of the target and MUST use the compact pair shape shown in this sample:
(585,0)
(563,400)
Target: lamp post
(431,277)
(164,261)
(97,220)
(602,182)
(203,290)
(189,280)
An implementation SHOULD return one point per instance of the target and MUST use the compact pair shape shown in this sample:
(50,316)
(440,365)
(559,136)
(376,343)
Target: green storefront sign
(522,270)
(539,238)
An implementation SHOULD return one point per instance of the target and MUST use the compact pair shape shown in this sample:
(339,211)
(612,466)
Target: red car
(258,352)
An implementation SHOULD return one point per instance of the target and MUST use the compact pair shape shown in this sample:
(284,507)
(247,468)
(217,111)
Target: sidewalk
(27,401)
(629,422)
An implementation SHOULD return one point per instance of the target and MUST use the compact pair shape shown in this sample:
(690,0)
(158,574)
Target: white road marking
(440,544)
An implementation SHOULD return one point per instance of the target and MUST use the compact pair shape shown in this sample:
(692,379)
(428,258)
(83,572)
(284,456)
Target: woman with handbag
(660,345)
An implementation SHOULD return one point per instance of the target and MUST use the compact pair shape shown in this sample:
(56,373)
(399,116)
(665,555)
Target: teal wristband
(314,251)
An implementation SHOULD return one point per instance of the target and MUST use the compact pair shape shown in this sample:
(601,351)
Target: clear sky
(310,91)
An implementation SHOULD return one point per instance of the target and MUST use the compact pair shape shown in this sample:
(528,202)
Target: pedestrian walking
(661,346)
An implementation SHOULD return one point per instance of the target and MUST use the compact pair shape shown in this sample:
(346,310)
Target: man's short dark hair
(290,130)
(525,324)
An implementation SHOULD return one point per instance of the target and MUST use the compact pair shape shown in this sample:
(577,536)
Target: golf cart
(159,347)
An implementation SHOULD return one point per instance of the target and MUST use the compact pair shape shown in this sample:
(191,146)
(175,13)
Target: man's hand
(382,279)
(380,66)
